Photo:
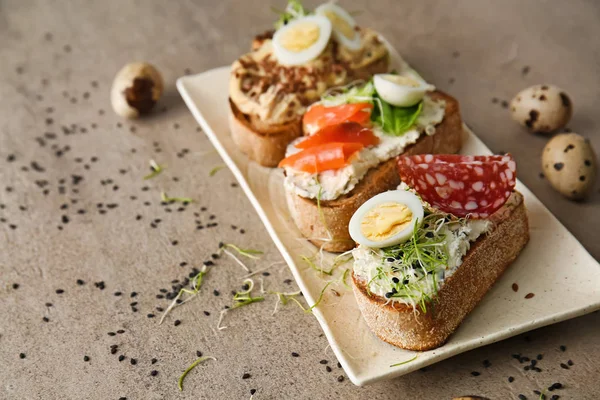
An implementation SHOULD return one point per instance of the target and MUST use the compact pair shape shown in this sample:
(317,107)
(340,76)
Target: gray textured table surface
(57,61)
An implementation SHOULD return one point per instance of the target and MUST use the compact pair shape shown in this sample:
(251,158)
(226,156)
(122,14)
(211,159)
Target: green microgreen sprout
(164,197)
(250,253)
(346,272)
(405,362)
(216,169)
(293,10)
(244,297)
(414,264)
(196,283)
(191,367)
(156,170)
(320,211)
(284,298)
(310,262)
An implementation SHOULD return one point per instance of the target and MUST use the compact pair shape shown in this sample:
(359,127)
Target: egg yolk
(340,24)
(403,80)
(385,220)
(300,37)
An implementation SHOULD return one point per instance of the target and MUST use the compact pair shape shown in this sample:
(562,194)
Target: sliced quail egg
(401,90)
(386,219)
(344,26)
(302,40)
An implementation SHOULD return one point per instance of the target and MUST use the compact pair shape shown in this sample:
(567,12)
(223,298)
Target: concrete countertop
(86,246)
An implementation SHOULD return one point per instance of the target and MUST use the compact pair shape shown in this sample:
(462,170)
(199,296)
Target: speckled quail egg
(542,108)
(136,89)
(570,165)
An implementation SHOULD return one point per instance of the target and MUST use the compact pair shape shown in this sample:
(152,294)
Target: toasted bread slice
(337,213)
(404,326)
(266,144)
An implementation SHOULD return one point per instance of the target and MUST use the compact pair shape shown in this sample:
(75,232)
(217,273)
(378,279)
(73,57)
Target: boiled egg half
(386,219)
(344,26)
(301,40)
(401,90)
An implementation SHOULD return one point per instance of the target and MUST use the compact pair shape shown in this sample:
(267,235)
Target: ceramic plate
(554,266)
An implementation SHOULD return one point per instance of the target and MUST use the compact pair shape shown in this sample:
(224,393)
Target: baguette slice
(489,256)
(337,213)
(266,144)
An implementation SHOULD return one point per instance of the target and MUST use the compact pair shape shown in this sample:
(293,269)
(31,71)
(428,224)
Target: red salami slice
(476,186)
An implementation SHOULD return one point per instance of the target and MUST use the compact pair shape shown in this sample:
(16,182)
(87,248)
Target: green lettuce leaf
(395,120)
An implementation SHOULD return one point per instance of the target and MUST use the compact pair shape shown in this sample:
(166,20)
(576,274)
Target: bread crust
(266,147)
(266,144)
(337,213)
(401,325)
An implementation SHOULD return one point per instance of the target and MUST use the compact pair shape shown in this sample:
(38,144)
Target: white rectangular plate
(554,266)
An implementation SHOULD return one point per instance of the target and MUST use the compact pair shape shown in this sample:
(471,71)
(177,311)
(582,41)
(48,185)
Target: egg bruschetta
(429,251)
(271,87)
(352,137)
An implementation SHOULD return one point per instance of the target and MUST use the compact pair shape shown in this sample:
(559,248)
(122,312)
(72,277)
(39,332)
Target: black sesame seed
(153,361)
(133,294)
(294,354)
(555,397)
(111,334)
(570,362)
(15,285)
(22,356)
(45,319)
(563,348)
(475,373)
(86,358)
(48,304)
(117,293)
(511,379)
(252,391)
(177,322)
(133,361)
(323,362)
(487,363)
(339,365)
(522,397)
(120,331)
(539,356)
(206,313)
(150,315)
(59,291)
(328,368)
(216,292)
(114,350)
(246,376)
(198,353)
(154,373)
(266,273)
(121,357)
(80,282)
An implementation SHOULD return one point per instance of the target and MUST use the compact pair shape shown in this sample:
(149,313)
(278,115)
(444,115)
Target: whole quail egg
(542,108)
(570,165)
(136,89)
